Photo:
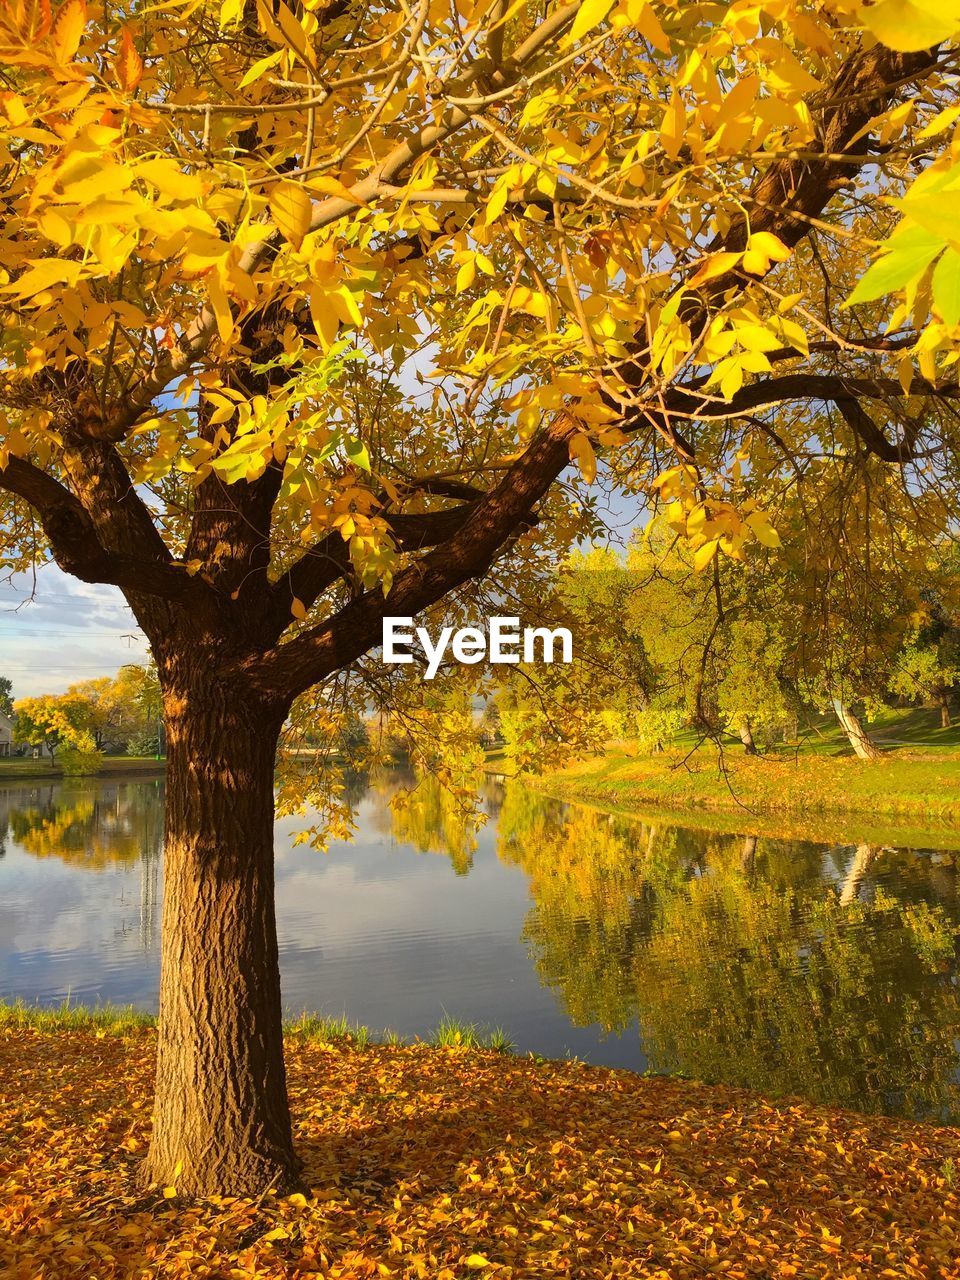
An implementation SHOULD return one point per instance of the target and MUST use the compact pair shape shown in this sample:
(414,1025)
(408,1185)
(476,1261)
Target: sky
(56,630)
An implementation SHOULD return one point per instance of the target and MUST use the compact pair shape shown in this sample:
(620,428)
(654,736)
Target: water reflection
(828,971)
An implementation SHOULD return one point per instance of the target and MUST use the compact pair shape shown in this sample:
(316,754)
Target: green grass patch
(312,1028)
(114,1019)
(454,1034)
(15,768)
(916,780)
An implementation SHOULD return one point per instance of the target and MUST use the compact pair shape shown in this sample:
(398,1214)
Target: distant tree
(928,666)
(50,720)
(123,705)
(6,695)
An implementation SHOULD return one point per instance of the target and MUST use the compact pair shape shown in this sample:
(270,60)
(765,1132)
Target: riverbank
(447,1163)
(24,769)
(808,788)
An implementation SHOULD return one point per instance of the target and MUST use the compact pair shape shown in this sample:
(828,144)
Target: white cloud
(55,630)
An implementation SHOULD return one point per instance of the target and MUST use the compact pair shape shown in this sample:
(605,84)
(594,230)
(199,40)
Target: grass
(917,776)
(23,767)
(305,1028)
(16,1015)
(453,1034)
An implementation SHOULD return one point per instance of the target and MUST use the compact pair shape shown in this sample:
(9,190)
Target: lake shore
(444,1163)
(22,769)
(805,795)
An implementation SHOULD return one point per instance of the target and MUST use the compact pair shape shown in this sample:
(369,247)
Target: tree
(928,666)
(121,706)
(54,719)
(6,695)
(307,313)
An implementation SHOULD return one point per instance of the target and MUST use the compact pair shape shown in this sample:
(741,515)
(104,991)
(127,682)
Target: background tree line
(109,714)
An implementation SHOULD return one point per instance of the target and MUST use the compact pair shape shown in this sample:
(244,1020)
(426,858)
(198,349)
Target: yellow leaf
(230,11)
(67,30)
(581,452)
(716,264)
(703,555)
(291,211)
(42,275)
(590,14)
(476,1260)
(466,275)
(128,64)
(763,247)
(325,319)
(496,202)
(674,126)
(911,25)
(294,35)
(334,187)
(169,1193)
(299,610)
(259,68)
(169,179)
(221,306)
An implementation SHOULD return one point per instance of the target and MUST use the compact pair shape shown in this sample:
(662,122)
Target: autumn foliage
(434,1164)
(318,313)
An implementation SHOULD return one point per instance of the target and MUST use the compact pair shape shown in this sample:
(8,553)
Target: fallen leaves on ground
(443,1164)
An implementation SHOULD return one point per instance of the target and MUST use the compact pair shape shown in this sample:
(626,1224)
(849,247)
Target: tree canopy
(322,313)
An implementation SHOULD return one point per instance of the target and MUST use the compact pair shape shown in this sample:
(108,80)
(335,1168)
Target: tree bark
(221,1115)
(943,702)
(746,737)
(859,739)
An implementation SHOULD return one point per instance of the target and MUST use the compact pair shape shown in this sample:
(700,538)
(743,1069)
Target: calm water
(791,967)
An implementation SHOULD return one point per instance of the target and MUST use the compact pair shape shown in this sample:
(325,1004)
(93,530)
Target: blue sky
(56,630)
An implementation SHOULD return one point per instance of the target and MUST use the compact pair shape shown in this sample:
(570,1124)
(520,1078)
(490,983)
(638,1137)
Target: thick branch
(75,544)
(486,525)
(845,393)
(328,560)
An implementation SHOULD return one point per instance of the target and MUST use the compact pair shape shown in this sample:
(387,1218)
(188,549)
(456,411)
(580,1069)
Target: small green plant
(948,1172)
(454,1034)
(327,1030)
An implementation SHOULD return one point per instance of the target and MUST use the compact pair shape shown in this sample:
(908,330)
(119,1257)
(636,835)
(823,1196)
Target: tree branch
(466,553)
(846,393)
(75,544)
(200,333)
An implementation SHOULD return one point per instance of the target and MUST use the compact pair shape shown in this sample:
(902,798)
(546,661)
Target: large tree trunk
(859,739)
(221,1117)
(746,737)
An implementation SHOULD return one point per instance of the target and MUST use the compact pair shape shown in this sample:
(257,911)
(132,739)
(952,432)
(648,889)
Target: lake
(826,971)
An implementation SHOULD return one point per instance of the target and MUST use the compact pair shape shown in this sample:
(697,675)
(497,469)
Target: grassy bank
(22,769)
(447,1163)
(916,779)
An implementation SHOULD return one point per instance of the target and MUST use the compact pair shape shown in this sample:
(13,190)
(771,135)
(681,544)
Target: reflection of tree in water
(772,964)
(433,819)
(91,825)
(94,826)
